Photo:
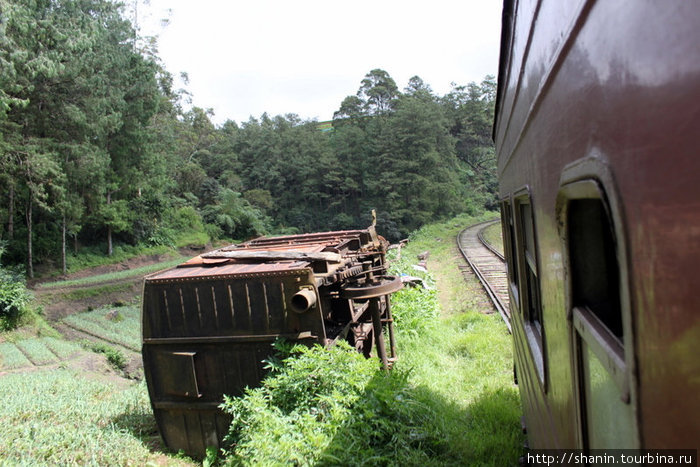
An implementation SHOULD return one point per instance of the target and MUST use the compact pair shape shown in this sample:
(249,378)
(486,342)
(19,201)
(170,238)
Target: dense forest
(98,148)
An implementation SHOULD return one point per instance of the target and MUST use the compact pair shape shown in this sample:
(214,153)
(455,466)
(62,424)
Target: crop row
(35,351)
(112,276)
(119,325)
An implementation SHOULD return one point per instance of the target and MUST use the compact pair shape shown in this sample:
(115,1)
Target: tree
(377,92)
(417,165)
(418,88)
(40,177)
(351,107)
(470,108)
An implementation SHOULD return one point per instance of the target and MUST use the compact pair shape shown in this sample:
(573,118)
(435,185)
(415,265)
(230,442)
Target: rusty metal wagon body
(209,323)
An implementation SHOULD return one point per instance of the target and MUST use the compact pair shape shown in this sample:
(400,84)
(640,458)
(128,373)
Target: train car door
(599,311)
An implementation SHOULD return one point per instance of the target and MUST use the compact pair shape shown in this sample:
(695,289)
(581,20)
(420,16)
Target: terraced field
(115,325)
(38,351)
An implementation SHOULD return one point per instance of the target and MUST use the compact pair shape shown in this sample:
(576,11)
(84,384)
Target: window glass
(594,267)
(529,254)
(509,242)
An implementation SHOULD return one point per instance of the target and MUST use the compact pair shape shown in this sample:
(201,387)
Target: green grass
(494,235)
(113,276)
(84,293)
(37,352)
(463,364)
(114,356)
(97,256)
(11,357)
(450,399)
(26,352)
(62,348)
(122,328)
(59,417)
(192,239)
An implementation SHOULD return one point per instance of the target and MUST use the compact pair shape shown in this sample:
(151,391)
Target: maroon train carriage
(597,135)
(209,323)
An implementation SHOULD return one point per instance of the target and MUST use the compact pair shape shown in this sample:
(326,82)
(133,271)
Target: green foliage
(114,356)
(494,236)
(318,402)
(101,324)
(415,310)
(212,457)
(112,276)
(97,147)
(185,219)
(11,357)
(59,417)
(234,216)
(296,411)
(14,297)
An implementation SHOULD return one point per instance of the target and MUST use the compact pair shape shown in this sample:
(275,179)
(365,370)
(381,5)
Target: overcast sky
(244,58)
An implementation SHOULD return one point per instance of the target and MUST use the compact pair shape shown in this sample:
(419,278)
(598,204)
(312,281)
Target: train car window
(531,305)
(528,256)
(595,281)
(599,312)
(534,308)
(509,245)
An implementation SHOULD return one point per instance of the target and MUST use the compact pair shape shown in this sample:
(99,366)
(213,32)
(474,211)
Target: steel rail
(479,254)
(488,245)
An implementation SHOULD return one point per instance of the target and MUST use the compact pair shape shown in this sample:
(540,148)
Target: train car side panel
(620,98)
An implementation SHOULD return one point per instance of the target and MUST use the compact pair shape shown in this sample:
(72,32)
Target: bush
(316,402)
(299,407)
(414,309)
(114,356)
(14,297)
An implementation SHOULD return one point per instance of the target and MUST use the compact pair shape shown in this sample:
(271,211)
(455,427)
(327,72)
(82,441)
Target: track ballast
(488,265)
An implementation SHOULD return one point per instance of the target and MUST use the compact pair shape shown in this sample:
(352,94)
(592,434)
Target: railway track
(488,265)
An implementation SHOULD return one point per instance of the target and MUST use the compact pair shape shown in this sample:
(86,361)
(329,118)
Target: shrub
(317,402)
(294,414)
(114,356)
(14,297)
(414,309)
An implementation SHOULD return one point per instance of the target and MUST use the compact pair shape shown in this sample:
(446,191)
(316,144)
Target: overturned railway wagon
(209,323)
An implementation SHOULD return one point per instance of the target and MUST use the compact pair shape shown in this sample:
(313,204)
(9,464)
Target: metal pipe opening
(303,300)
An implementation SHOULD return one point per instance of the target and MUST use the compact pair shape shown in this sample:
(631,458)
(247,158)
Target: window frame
(509,236)
(528,268)
(590,178)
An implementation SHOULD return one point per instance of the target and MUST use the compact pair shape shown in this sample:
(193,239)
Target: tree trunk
(30,263)
(109,241)
(11,214)
(63,245)
(109,227)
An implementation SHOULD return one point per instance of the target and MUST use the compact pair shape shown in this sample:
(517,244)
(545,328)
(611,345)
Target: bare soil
(57,306)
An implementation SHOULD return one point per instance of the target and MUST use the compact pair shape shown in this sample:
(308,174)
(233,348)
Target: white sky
(244,58)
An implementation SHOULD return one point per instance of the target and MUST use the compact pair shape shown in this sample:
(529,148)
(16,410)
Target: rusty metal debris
(208,323)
